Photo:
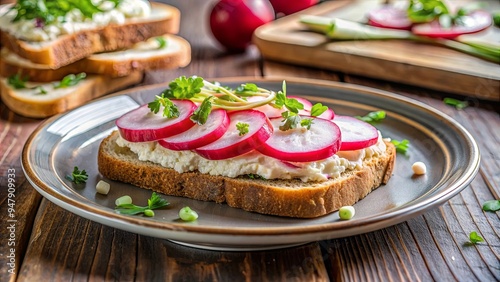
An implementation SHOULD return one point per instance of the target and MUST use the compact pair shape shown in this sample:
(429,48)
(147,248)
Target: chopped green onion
(187,214)
(123,200)
(149,213)
(346,212)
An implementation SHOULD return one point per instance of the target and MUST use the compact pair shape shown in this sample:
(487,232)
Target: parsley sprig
(155,202)
(17,81)
(170,110)
(291,117)
(242,128)
(78,176)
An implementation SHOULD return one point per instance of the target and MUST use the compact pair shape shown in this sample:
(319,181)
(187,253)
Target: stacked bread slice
(100,59)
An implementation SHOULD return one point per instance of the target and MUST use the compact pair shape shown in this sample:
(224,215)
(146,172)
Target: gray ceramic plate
(72,139)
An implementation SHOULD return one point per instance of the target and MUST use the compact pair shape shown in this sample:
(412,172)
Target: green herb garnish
(422,11)
(475,238)
(17,81)
(242,127)
(170,110)
(155,202)
(200,115)
(162,42)
(184,87)
(247,88)
(401,146)
(256,176)
(78,176)
(318,109)
(456,103)
(496,18)
(51,11)
(372,117)
(70,80)
(492,205)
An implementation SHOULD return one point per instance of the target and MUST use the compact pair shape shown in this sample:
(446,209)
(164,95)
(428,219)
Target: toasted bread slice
(70,48)
(291,198)
(32,103)
(146,55)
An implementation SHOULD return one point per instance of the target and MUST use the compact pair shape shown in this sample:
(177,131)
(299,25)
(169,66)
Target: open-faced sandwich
(249,147)
(57,55)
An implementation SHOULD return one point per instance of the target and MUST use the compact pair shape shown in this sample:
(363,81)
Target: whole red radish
(288,7)
(233,21)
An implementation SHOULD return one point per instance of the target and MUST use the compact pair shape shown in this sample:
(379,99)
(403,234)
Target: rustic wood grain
(53,244)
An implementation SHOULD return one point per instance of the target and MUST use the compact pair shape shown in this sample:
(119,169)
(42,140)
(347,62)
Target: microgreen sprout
(162,42)
(373,117)
(475,238)
(155,202)
(78,176)
(17,81)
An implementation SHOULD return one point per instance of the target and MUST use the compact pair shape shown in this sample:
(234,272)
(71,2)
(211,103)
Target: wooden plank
(425,65)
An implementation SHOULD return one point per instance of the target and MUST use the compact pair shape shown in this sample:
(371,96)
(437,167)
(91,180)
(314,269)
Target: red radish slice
(389,17)
(474,22)
(199,135)
(321,141)
(231,144)
(141,125)
(328,114)
(272,112)
(356,134)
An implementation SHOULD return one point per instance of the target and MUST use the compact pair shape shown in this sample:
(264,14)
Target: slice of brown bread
(291,198)
(142,56)
(32,103)
(70,48)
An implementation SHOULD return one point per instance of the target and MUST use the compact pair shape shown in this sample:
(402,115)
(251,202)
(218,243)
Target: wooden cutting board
(419,64)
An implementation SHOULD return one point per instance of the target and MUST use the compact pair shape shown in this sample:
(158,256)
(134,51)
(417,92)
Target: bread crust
(73,47)
(98,65)
(291,198)
(98,86)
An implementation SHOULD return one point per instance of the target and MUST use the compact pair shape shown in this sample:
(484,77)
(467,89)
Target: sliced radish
(321,141)
(141,125)
(231,144)
(199,135)
(389,17)
(272,112)
(356,134)
(474,22)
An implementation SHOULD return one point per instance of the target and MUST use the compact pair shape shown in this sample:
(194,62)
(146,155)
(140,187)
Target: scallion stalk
(339,29)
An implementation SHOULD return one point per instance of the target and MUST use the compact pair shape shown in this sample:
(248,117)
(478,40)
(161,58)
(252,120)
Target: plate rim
(370,223)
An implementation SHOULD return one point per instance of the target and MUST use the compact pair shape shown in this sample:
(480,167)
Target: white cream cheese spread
(254,162)
(74,21)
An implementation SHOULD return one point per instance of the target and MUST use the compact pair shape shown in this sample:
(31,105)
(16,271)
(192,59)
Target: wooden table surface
(52,244)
